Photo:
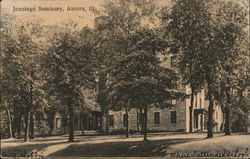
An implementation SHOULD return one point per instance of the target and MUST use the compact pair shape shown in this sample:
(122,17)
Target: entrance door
(201,121)
(196,121)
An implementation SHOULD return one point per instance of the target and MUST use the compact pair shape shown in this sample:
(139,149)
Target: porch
(200,118)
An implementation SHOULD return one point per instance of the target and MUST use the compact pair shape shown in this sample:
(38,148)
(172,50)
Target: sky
(82,17)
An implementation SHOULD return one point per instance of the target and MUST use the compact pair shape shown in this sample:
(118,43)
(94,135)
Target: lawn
(224,146)
(17,148)
(159,145)
(110,145)
(155,148)
(229,146)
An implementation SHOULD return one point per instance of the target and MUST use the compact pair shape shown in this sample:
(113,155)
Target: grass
(159,145)
(24,150)
(234,146)
(154,148)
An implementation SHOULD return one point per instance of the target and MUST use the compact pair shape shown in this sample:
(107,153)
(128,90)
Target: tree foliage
(21,72)
(210,44)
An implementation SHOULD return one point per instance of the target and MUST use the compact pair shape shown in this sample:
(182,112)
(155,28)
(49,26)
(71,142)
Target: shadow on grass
(238,133)
(156,148)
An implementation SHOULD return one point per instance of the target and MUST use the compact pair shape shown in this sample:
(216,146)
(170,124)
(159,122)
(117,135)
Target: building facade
(176,118)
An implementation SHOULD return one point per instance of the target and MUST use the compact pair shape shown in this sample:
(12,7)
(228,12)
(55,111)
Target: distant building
(176,118)
(171,119)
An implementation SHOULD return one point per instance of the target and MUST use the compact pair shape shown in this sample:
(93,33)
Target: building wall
(58,129)
(199,103)
(182,109)
(165,119)
(248,128)
(218,117)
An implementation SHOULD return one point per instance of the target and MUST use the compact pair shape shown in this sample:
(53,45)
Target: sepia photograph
(125,79)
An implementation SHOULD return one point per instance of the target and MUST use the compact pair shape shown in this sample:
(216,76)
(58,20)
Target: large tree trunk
(107,122)
(10,122)
(20,127)
(210,113)
(228,112)
(81,123)
(191,111)
(227,121)
(16,121)
(65,124)
(13,128)
(27,123)
(71,122)
(127,131)
(31,127)
(145,122)
(142,121)
(224,117)
(137,121)
(29,106)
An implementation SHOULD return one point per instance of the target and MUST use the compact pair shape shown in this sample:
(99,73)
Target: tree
(144,83)
(115,36)
(21,49)
(28,60)
(232,41)
(102,97)
(120,100)
(186,31)
(141,82)
(133,39)
(206,43)
(240,110)
(70,68)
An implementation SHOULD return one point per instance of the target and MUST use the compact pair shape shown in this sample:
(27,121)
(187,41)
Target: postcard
(125,79)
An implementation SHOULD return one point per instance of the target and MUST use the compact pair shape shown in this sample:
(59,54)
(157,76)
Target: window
(156,117)
(58,123)
(125,116)
(173,117)
(196,121)
(174,101)
(200,102)
(140,117)
(111,120)
(196,102)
